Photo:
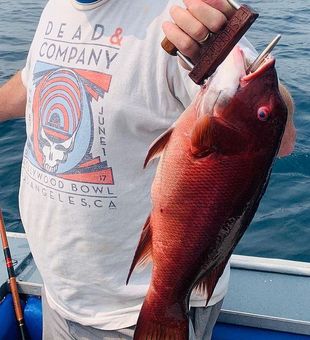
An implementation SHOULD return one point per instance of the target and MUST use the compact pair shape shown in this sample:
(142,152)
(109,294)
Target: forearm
(13,97)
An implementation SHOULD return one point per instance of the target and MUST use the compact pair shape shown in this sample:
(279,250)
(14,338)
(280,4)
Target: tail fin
(171,324)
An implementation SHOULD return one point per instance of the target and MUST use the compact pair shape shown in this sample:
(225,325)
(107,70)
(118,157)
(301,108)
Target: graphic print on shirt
(63,123)
(66,155)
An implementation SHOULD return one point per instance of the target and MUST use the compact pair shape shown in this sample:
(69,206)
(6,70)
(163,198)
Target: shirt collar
(87,4)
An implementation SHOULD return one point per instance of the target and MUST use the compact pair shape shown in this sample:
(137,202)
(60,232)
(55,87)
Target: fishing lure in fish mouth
(220,88)
(264,55)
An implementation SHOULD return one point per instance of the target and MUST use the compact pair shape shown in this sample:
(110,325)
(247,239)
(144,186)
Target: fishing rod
(12,279)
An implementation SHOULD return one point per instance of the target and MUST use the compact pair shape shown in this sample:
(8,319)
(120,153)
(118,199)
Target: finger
(223,6)
(288,99)
(209,16)
(182,41)
(188,23)
(289,136)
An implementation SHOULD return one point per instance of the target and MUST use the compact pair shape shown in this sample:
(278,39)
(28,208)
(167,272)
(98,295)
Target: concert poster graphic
(66,152)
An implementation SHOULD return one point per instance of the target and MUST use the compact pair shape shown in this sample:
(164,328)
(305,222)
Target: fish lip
(268,63)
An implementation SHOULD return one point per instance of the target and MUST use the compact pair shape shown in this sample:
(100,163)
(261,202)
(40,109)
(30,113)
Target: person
(95,92)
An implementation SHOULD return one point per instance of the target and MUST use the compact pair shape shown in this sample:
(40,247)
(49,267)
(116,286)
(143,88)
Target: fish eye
(263,113)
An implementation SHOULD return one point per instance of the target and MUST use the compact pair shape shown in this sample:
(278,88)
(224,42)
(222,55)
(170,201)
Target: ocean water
(281,227)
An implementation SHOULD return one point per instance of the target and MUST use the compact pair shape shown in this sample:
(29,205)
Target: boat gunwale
(267,322)
(227,316)
(270,265)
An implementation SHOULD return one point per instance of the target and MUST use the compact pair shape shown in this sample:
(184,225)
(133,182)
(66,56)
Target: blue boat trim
(235,332)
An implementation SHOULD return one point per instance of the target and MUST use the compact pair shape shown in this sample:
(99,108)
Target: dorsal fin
(143,254)
(205,286)
(158,145)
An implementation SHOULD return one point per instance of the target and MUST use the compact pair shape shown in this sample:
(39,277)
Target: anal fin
(206,285)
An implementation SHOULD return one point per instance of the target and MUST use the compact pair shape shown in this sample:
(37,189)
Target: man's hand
(192,25)
(13,98)
(289,136)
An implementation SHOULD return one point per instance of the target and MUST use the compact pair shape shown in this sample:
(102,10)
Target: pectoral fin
(214,135)
(203,137)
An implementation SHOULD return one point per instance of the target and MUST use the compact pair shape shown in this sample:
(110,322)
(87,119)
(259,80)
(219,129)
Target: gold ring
(204,39)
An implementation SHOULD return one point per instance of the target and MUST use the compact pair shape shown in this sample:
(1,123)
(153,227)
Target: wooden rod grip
(168,46)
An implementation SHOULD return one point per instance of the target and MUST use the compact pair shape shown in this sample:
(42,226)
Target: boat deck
(270,295)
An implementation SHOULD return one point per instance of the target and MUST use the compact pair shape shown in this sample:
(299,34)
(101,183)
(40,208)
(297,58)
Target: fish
(214,167)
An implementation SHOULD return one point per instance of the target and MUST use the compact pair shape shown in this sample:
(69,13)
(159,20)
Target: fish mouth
(265,65)
(235,73)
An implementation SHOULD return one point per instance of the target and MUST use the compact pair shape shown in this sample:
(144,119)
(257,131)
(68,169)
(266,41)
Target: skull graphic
(54,152)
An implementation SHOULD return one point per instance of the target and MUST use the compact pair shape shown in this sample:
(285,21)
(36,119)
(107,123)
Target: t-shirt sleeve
(180,84)
(25,72)
(184,88)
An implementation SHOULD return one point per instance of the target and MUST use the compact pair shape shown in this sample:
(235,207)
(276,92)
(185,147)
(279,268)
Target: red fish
(214,168)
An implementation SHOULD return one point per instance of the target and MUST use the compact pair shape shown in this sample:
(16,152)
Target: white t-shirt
(100,90)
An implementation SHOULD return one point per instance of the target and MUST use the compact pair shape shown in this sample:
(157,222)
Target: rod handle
(168,46)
